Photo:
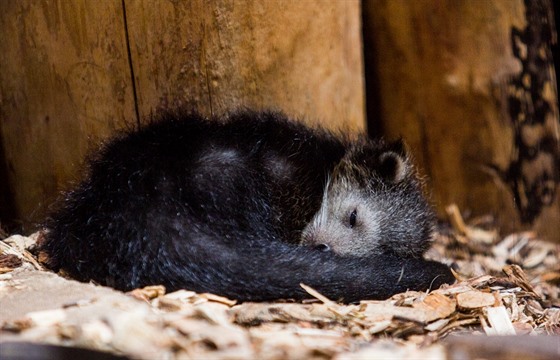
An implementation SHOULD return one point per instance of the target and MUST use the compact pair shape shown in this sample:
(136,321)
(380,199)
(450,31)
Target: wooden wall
(458,79)
(471,86)
(71,72)
(64,81)
(303,57)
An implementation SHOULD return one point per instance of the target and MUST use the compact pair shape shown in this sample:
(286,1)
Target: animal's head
(372,203)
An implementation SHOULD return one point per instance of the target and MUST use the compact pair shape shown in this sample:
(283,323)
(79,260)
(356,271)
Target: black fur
(217,206)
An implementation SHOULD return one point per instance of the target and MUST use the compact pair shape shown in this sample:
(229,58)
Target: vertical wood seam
(130,65)
(205,57)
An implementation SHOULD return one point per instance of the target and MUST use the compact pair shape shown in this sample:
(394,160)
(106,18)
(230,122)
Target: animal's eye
(323,247)
(353,217)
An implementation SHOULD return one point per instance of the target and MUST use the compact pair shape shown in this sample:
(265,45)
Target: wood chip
(5,270)
(47,317)
(27,256)
(10,261)
(219,299)
(437,325)
(482,236)
(181,295)
(475,299)
(551,276)
(516,274)
(433,307)
(535,257)
(169,304)
(148,293)
(379,326)
(257,313)
(500,321)
(184,324)
(317,294)
(456,219)
(215,313)
(97,333)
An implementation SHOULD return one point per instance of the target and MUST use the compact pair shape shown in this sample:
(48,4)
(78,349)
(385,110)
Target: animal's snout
(313,240)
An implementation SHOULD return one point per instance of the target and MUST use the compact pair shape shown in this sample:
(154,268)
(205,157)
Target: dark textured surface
(31,351)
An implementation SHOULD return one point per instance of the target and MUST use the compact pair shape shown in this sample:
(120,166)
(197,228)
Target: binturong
(241,206)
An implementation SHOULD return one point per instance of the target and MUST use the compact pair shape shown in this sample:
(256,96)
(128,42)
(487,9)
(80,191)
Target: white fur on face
(331,224)
(321,217)
(392,215)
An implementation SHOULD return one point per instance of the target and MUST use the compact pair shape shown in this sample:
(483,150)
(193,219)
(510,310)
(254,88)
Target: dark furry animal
(219,206)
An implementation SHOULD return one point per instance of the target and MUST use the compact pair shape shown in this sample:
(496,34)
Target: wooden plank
(442,74)
(64,83)
(303,57)
(66,80)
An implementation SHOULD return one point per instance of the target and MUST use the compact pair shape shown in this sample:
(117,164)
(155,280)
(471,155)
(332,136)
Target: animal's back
(214,206)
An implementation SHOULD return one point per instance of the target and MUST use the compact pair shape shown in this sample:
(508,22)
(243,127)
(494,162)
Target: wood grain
(67,69)
(64,84)
(440,75)
(297,56)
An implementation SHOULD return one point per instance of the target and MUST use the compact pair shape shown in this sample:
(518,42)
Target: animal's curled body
(224,206)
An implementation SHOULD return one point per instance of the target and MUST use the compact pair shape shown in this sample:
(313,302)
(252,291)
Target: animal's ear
(399,147)
(389,162)
(393,162)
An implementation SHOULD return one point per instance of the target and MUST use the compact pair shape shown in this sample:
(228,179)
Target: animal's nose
(322,247)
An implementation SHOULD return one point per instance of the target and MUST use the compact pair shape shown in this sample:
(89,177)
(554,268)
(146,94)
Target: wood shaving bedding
(506,286)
